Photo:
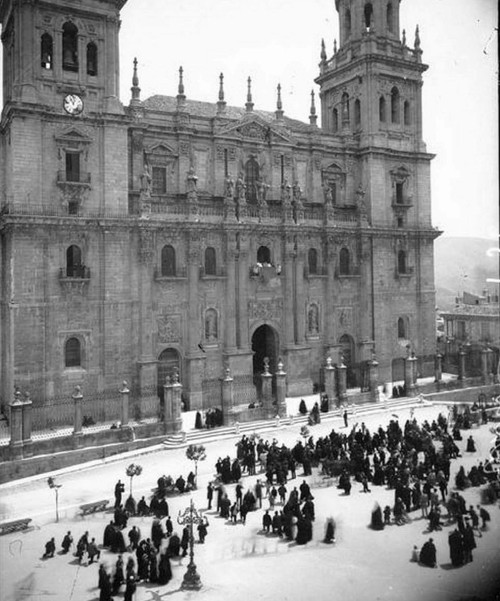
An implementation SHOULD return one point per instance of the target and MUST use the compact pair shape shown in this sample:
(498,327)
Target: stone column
(280,390)
(227,397)
(485,372)
(167,402)
(267,390)
(461,365)
(230,300)
(410,366)
(77,401)
(125,392)
(342,381)
(330,384)
(16,426)
(172,393)
(288,292)
(438,367)
(299,295)
(373,378)
(194,356)
(329,313)
(243,275)
(27,441)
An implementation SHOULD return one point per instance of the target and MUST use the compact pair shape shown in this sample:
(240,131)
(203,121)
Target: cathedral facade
(163,235)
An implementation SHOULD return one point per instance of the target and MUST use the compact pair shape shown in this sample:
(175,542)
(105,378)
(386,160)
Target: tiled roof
(208,110)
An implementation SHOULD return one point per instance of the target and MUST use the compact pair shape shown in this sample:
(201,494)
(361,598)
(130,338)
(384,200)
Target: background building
(175,235)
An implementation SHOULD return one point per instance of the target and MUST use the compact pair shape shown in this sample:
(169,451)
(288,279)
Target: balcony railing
(83,179)
(78,272)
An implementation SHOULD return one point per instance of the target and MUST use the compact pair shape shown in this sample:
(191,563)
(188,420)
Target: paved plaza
(237,561)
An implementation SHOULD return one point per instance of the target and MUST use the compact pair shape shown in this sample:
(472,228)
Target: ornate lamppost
(189,517)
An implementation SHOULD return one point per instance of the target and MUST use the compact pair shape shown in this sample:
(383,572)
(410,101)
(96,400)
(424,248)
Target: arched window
(390,18)
(313,319)
(344,262)
(335,121)
(263,255)
(168,261)
(395,105)
(74,267)
(347,23)
(401,261)
(72,353)
(381,109)
(401,328)
(70,47)
(46,51)
(357,112)
(368,14)
(345,108)
(312,260)
(251,179)
(210,261)
(407,113)
(91,59)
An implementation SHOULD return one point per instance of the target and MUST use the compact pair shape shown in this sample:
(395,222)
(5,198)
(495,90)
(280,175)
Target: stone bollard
(16,425)
(267,390)
(77,397)
(227,397)
(410,369)
(330,383)
(125,392)
(373,379)
(281,389)
(438,367)
(461,366)
(27,419)
(342,382)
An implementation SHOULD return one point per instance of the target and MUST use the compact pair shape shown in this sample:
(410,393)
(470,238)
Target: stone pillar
(299,296)
(410,367)
(461,365)
(16,426)
(373,378)
(243,275)
(230,300)
(330,384)
(125,392)
(27,441)
(485,372)
(438,367)
(194,356)
(77,430)
(227,397)
(329,320)
(288,315)
(172,393)
(281,390)
(342,381)
(267,390)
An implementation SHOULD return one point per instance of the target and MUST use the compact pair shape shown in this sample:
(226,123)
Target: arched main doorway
(169,362)
(347,349)
(265,343)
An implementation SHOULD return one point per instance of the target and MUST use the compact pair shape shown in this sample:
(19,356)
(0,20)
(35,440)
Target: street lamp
(56,487)
(191,516)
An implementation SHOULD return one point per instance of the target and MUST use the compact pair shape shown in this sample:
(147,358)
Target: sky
(278,41)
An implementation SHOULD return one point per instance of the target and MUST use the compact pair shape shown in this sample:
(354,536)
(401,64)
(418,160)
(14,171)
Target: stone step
(175,441)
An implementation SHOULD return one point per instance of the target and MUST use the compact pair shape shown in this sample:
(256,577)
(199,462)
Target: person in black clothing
(210,494)
(67,542)
(428,554)
(185,540)
(142,507)
(119,489)
(50,548)
(266,521)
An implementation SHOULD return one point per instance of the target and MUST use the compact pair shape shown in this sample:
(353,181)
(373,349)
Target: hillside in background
(463,264)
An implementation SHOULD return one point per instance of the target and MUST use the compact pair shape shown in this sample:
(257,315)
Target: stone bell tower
(371,102)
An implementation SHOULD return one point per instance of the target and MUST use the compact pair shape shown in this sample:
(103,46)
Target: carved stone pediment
(72,136)
(256,129)
(159,153)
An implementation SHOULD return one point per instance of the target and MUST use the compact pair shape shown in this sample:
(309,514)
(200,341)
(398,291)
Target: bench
(14,526)
(89,508)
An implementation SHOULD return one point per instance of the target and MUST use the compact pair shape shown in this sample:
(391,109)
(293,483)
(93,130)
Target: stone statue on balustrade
(241,189)
(297,194)
(229,187)
(286,193)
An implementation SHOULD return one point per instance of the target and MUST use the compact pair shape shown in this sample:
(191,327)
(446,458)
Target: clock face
(73,104)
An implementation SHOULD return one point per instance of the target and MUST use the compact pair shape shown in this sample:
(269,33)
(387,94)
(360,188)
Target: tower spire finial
(335,46)
(403,41)
(312,116)
(323,51)
(221,103)
(249,103)
(417,38)
(181,97)
(279,105)
(135,89)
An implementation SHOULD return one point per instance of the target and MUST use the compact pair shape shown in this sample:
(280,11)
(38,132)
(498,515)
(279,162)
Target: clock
(73,104)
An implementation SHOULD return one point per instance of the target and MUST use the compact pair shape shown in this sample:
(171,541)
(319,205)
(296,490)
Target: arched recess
(263,255)
(265,343)
(169,362)
(251,179)
(347,348)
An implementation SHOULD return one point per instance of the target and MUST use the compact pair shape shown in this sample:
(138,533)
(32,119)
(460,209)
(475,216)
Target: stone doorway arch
(169,362)
(265,343)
